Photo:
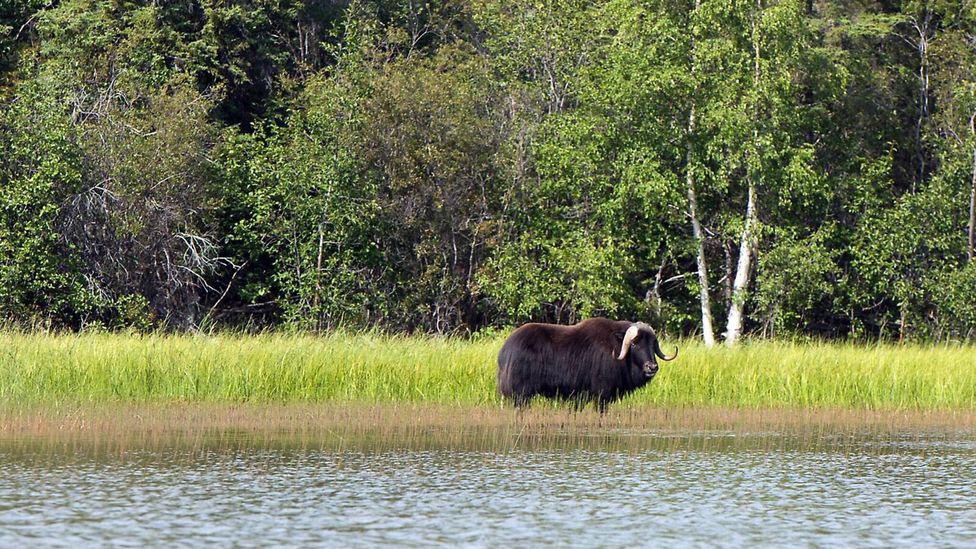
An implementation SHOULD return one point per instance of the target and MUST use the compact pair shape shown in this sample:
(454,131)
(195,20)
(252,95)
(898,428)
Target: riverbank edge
(397,420)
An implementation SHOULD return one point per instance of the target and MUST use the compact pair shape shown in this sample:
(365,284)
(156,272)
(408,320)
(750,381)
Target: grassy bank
(342,368)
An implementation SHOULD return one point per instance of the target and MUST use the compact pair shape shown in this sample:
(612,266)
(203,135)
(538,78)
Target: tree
(40,281)
(127,213)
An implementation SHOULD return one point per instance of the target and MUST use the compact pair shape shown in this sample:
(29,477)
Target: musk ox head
(640,346)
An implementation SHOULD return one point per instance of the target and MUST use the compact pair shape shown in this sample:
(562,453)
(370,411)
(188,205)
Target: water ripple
(873,493)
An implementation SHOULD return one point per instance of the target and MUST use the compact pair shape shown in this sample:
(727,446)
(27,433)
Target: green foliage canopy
(452,166)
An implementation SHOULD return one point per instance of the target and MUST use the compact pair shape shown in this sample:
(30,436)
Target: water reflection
(493,487)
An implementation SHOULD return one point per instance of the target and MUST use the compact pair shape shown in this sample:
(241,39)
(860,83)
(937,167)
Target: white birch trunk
(708,332)
(742,271)
(733,328)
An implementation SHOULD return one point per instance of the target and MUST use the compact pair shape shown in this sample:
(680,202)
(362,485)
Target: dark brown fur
(575,362)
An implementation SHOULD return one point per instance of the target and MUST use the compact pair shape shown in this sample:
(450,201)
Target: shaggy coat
(585,362)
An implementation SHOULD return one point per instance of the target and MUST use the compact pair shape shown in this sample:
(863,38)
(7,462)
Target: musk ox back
(596,360)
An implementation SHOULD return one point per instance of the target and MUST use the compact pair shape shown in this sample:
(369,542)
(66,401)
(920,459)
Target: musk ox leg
(522,401)
(602,405)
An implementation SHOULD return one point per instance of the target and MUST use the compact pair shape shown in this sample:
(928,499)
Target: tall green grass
(342,367)
(837,375)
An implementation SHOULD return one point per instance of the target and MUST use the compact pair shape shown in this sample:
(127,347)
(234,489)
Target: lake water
(614,489)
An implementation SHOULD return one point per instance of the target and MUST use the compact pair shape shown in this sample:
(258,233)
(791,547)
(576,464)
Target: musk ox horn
(660,354)
(629,337)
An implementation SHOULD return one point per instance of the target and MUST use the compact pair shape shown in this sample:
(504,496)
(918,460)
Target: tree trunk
(922,28)
(729,274)
(733,328)
(653,296)
(742,270)
(708,332)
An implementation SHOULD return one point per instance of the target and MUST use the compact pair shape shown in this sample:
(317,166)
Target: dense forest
(719,168)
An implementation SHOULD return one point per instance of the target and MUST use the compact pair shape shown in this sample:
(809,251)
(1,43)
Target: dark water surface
(616,489)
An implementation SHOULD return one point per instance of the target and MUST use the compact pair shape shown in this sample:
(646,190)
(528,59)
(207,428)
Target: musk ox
(596,360)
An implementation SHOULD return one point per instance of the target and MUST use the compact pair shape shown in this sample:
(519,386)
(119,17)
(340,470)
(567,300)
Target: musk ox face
(640,347)
(642,354)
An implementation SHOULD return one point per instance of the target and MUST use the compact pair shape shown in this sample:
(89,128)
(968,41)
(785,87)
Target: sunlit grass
(253,368)
(831,375)
(370,368)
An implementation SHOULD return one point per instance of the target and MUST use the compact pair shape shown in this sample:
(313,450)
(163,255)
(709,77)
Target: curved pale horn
(660,354)
(629,337)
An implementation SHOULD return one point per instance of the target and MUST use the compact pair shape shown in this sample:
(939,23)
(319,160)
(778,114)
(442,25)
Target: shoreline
(107,421)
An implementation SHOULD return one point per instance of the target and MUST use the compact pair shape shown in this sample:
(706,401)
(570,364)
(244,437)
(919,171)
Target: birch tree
(752,55)
(708,332)
(747,240)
